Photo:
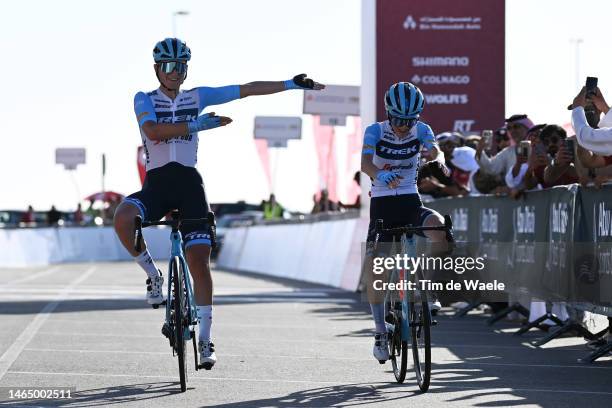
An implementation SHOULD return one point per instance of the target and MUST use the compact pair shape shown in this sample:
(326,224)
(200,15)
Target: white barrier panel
(45,246)
(316,252)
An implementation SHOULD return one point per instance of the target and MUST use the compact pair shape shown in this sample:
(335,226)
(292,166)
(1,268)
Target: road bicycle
(181,314)
(407,311)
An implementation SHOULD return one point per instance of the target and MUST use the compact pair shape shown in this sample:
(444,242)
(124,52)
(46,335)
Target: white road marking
(32,277)
(11,354)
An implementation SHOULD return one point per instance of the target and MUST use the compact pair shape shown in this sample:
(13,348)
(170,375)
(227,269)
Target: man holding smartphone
(599,141)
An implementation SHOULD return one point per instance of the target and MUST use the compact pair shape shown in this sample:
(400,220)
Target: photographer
(561,170)
(531,155)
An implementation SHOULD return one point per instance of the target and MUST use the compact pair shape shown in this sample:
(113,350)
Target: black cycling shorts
(397,211)
(175,187)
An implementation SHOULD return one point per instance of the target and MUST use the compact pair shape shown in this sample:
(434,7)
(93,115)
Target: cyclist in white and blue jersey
(169,120)
(391,156)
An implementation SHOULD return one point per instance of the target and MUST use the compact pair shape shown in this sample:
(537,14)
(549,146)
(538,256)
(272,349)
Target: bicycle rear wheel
(420,325)
(179,320)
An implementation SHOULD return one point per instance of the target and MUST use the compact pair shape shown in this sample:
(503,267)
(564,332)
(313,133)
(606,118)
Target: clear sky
(73,68)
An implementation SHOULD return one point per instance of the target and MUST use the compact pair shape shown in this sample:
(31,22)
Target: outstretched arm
(269,87)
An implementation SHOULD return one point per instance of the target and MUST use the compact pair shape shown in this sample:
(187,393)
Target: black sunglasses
(401,122)
(169,66)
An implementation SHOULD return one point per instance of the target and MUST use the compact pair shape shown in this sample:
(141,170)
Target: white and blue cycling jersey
(157,107)
(399,155)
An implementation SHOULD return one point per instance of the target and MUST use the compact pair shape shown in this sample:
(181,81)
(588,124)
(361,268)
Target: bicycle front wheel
(179,321)
(420,325)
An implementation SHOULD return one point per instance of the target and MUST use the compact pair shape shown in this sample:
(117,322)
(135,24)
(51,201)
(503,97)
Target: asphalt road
(280,344)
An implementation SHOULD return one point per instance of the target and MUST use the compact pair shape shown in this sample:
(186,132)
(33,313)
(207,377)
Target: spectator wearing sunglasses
(169,120)
(503,161)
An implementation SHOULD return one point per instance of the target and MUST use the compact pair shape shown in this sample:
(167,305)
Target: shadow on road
(103,397)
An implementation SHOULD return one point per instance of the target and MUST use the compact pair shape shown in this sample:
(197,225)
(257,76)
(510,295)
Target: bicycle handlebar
(409,229)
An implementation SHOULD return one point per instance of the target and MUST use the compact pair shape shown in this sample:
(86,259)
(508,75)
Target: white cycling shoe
(155,293)
(434,307)
(208,357)
(381,347)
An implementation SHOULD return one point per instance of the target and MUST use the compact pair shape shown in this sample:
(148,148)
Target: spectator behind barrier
(53,216)
(272,209)
(324,204)
(432,181)
(521,176)
(78,215)
(598,141)
(28,217)
(503,161)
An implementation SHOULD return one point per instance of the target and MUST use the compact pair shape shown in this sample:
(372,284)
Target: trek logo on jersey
(394,151)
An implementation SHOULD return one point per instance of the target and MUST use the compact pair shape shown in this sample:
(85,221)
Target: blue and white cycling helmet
(171,49)
(404,100)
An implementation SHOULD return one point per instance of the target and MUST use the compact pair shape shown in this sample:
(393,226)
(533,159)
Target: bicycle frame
(408,247)
(177,251)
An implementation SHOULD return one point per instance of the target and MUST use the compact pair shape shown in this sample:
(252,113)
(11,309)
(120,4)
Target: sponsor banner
(338,100)
(278,127)
(70,157)
(454,51)
(553,245)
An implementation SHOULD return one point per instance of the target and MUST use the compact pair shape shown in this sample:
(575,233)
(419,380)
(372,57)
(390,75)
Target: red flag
(141,159)
(326,152)
(264,156)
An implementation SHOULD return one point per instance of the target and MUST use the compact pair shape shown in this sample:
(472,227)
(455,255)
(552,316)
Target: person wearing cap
(431,179)
(502,162)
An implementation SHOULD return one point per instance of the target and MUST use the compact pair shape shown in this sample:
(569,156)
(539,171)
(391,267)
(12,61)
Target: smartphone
(591,85)
(524,148)
(487,135)
(569,145)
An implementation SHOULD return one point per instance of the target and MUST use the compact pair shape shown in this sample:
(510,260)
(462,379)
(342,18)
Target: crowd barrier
(44,246)
(326,252)
(553,244)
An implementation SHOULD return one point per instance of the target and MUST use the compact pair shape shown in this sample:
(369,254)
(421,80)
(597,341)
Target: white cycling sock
(204,322)
(146,262)
(378,312)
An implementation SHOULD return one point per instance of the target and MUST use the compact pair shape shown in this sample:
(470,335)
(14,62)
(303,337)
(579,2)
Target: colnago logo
(603,220)
(559,217)
(460,219)
(524,217)
(488,220)
(410,23)
(441,79)
(463,125)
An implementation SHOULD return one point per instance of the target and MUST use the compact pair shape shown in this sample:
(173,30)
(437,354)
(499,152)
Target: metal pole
(177,13)
(103,171)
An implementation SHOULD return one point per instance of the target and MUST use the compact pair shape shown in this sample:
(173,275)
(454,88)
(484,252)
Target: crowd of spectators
(522,156)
